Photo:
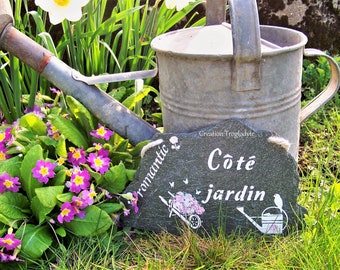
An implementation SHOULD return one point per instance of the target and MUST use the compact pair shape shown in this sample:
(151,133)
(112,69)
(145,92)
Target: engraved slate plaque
(225,176)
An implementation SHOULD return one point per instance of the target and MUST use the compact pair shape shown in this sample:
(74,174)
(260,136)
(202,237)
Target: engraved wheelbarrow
(203,80)
(189,213)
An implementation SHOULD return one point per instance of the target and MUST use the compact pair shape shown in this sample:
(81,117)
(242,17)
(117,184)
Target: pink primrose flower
(88,196)
(80,180)
(56,91)
(3,150)
(10,242)
(105,192)
(8,258)
(8,183)
(36,110)
(135,201)
(97,146)
(99,163)
(76,156)
(102,133)
(67,212)
(103,152)
(79,202)
(5,136)
(43,171)
(126,212)
(52,131)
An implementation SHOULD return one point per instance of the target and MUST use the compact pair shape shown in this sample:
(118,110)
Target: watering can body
(209,74)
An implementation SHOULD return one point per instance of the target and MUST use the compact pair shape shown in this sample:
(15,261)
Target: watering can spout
(113,114)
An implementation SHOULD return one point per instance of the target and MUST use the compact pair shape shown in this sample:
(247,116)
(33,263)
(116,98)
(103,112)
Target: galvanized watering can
(207,74)
(243,70)
(108,110)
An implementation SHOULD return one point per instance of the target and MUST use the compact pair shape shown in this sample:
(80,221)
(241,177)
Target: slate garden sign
(226,176)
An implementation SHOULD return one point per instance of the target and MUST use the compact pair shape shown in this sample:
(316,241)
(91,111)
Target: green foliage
(95,222)
(35,240)
(105,40)
(315,76)
(50,134)
(69,130)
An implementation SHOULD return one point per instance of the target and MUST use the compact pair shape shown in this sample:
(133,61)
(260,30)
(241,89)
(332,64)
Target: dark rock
(318,20)
(221,177)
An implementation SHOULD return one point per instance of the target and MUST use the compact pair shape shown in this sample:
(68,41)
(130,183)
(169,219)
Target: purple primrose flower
(43,171)
(102,133)
(8,183)
(99,163)
(10,242)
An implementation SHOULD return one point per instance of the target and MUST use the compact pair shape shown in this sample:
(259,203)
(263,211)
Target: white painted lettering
(211,158)
(250,164)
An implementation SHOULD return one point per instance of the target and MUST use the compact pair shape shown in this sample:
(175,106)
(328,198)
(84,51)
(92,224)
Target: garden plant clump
(63,173)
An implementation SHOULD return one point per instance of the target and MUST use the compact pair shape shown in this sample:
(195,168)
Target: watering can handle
(330,90)
(246,75)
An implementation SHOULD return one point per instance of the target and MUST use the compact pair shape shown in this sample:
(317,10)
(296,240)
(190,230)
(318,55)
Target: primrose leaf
(60,178)
(33,123)
(110,208)
(115,179)
(11,166)
(65,197)
(80,113)
(69,130)
(35,240)
(60,149)
(61,231)
(48,195)
(28,182)
(13,206)
(95,222)
(122,146)
(39,210)
(48,141)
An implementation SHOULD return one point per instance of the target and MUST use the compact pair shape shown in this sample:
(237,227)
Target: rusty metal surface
(27,50)
(6,16)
